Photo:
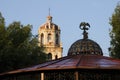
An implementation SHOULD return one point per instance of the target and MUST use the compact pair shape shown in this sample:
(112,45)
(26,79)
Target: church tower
(49,38)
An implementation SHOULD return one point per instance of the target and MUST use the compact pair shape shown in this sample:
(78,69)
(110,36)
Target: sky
(68,14)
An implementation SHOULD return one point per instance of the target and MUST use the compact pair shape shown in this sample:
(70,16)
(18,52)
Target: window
(57,39)
(42,39)
(49,56)
(56,57)
(49,37)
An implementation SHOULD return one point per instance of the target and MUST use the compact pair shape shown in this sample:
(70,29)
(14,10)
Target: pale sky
(68,14)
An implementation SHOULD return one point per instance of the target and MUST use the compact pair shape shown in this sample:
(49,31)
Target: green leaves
(18,47)
(115,33)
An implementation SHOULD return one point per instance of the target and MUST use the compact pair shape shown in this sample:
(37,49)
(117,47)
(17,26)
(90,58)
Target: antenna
(49,11)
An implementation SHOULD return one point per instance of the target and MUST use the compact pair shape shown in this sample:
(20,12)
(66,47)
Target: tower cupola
(49,19)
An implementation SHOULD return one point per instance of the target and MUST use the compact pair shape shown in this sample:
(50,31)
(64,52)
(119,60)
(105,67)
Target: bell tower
(49,38)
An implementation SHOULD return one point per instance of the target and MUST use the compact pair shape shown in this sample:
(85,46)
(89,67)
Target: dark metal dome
(85,45)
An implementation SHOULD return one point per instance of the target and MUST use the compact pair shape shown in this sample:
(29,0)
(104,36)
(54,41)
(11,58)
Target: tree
(2,30)
(18,47)
(115,33)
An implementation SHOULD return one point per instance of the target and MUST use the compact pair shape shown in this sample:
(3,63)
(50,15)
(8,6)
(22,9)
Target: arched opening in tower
(49,56)
(42,39)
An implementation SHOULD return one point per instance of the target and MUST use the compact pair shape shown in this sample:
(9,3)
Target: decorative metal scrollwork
(84,26)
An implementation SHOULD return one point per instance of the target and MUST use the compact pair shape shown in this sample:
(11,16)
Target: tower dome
(85,45)
(49,24)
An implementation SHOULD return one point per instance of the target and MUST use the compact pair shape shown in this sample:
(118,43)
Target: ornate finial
(83,26)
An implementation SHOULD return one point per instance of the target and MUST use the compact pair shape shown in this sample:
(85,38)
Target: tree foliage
(18,47)
(115,33)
